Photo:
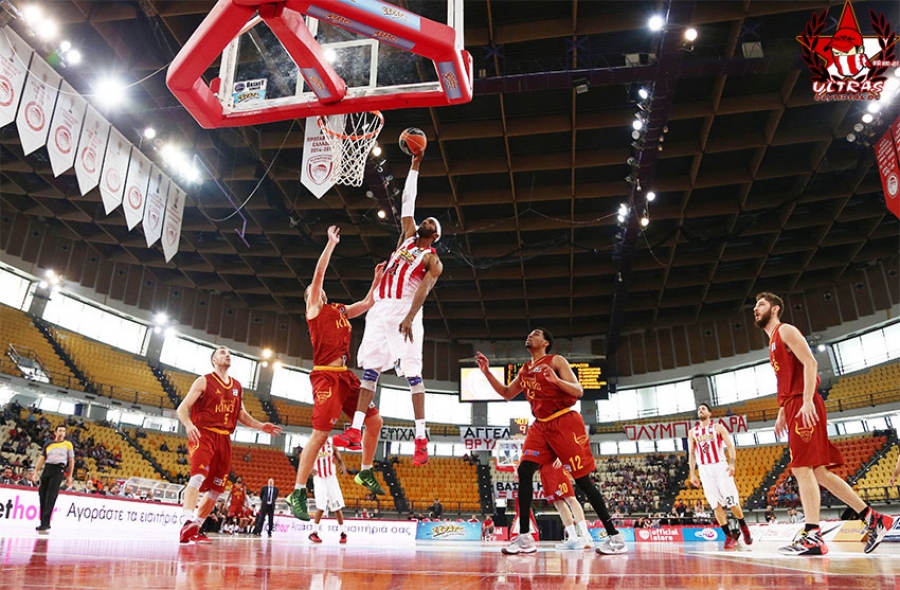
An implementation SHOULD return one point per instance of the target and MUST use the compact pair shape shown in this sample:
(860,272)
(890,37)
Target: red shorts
(565,438)
(557,483)
(211,457)
(810,447)
(333,391)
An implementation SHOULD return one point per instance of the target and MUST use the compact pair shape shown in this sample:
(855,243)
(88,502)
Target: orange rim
(323,124)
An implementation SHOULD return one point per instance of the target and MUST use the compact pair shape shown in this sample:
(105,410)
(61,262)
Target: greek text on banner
(664,430)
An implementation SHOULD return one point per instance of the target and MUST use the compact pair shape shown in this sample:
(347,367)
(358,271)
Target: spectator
(436,509)
(487,528)
(29,479)
(164,447)
(474,519)
(8,477)
(770,514)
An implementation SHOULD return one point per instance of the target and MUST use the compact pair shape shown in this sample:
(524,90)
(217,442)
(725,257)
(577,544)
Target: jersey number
(575,462)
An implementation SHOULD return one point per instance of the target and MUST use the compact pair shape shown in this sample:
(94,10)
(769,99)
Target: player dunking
(557,433)
(802,415)
(710,447)
(210,412)
(558,489)
(335,387)
(328,489)
(394,332)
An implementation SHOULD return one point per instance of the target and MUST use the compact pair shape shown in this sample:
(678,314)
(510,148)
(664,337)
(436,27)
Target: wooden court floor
(57,561)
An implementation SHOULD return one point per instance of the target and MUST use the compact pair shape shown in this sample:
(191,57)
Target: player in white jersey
(710,447)
(394,333)
(329,497)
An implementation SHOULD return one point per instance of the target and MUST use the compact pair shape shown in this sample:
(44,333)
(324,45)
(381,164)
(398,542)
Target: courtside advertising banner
(482,438)
(663,534)
(91,149)
(449,531)
(38,99)
(15,55)
(365,533)
(509,490)
(136,182)
(115,169)
(889,169)
(317,170)
(700,535)
(156,205)
(65,127)
(172,225)
(599,533)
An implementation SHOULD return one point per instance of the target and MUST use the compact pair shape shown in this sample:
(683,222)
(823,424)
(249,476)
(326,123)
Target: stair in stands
(271,412)
(166,385)
(70,363)
(147,456)
(401,504)
(485,489)
(760,498)
(879,454)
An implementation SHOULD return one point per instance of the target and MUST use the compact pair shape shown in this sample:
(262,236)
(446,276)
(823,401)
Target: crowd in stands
(631,488)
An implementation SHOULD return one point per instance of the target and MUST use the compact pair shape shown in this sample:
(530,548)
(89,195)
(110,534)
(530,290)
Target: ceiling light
(643,93)
(867,118)
(891,84)
(43,284)
(381,214)
(65,46)
(161,318)
(873,107)
(635,134)
(376,151)
(851,137)
(821,348)
(149,133)
(31,14)
(623,209)
(47,29)
(73,58)
(645,221)
(656,23)
(330,55)
(267,353)
(690,34)
(651,196)
(277,365)
(620,218)
(637,124)
(859,127)
(109,91)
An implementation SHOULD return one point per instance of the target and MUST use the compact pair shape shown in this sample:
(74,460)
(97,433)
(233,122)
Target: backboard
(302,58)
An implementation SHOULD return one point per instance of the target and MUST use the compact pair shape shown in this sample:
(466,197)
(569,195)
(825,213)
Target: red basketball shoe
(343,538)
(188,530)
(350,439)
(201,537)
(420,457)
(315,538)
(731,541)
(745,532)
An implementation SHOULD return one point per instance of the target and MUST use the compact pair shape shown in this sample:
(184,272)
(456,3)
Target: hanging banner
(91,147)
(65,128)
(15,56)
(172,224)
(889,170)
(156,205)
(664,430)
(136,182)
(38,98)
(318,170)
(115,168)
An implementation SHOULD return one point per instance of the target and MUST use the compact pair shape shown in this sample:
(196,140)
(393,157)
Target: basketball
(413,141)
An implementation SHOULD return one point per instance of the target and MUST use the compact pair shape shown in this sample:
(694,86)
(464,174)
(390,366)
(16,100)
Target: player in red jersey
(802,415)
(711,449)
(558,432)
(210,412)
(335,387)
(394,333)
(238,498)
(558,489)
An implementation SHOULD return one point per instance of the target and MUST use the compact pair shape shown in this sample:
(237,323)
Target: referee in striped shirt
(54,460)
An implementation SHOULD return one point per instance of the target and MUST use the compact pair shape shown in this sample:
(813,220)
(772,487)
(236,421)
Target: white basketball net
(351,137)
(508,453)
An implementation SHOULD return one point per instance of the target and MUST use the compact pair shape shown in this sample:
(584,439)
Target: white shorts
(718,487)
(329,497)
(383,347)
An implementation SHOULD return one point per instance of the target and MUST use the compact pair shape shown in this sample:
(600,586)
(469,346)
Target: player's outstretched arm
(692,465)
(314,301)
(506,391)
(408,205)
(247,420)
(360,307)
(184,409)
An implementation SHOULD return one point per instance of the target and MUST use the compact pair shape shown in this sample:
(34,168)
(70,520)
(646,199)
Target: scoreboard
(592,375)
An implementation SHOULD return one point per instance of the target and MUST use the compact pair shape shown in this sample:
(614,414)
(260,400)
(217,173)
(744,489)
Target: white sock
(570,532)
(364,467)
(188,514)
(420,428)
(196,516)
(358,418)
(315,527)
(341,528)
(299,486)
(583,527)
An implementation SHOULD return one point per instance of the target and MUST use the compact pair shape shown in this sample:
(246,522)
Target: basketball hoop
(507,454)
(351,137)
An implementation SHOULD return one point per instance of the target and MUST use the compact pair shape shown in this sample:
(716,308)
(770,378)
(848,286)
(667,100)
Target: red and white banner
(886,156)
(318,170)
(65,127)
(15,55)
(509,490)
(91,147)
(663,534)
(664,430)
(156,205)
(136,182)
(115,169)
(36,108)
(172,225)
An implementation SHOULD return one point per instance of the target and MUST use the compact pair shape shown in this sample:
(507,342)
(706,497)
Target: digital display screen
(591,374)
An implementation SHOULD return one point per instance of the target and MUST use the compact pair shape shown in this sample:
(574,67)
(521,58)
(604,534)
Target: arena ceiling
(757,187)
